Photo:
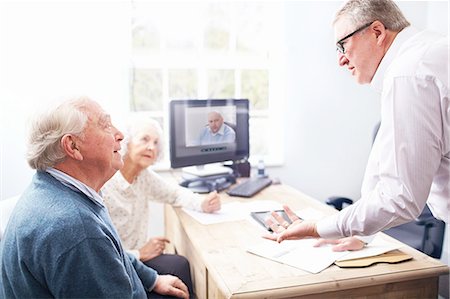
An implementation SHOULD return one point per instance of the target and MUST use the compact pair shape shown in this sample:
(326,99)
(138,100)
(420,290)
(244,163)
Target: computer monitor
(208,131)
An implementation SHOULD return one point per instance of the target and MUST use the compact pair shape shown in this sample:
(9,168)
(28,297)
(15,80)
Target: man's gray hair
(47,129)
(361,12)
(135,126)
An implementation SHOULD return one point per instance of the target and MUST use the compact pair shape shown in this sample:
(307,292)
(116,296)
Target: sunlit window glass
(255,87)
(183,84)
(221,84)
(146,90)
(217,27)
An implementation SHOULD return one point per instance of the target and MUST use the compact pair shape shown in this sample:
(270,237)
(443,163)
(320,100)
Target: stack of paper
(303,255)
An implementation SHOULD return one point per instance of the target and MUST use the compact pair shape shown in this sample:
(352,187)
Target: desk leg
(182,246)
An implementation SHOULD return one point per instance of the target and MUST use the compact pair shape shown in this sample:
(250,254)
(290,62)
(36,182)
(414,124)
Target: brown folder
(391,257)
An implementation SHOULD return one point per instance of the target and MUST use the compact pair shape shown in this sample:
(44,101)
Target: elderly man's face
(362,56)
(100,143)
(215,121)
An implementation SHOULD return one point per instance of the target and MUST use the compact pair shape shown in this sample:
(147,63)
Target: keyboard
(249,187)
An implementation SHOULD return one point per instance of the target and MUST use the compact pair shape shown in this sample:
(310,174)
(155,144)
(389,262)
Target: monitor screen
(208,131)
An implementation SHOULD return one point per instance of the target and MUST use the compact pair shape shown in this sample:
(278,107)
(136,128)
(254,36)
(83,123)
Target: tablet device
(262,216)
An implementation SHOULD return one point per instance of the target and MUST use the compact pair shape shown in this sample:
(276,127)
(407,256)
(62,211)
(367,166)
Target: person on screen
(60,242)
(216,131)
(409,164)
(129,191)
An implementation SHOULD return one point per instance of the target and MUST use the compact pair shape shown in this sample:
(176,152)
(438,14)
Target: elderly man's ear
(69,146)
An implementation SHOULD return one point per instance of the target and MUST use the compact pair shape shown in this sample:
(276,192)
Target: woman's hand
(211,203)
(153,248)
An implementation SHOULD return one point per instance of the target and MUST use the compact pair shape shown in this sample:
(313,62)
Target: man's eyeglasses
(340,43)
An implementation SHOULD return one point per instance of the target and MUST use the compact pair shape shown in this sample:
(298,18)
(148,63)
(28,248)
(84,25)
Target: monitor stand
(207,170)
(208,179)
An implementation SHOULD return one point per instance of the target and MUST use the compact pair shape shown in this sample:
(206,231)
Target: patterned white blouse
(128,204)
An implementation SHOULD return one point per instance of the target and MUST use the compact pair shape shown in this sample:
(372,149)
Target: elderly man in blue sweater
(60,241)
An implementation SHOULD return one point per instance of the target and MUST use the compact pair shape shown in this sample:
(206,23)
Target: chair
(231,125)
(425,234)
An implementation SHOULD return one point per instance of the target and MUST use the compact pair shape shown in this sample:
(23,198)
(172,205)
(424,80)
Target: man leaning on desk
(409,165)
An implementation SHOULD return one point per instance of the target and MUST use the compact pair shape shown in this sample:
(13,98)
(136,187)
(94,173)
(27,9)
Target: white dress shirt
(225,134)
(128,204)
(409,164)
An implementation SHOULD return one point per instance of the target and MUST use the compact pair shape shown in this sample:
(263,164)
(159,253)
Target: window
(186,50)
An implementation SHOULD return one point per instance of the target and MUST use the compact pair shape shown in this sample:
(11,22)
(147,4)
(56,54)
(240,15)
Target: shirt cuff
(153,286)
(191,201)
(327,228)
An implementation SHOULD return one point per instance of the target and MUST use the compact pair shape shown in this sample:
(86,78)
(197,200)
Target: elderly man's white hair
(141,124)
(361,12)
(46,130)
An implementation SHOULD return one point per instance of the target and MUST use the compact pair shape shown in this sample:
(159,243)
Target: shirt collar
(75,185)
(220,131)
(402,36)
(120,181)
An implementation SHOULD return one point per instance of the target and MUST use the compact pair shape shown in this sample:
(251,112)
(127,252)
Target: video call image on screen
(210,125)
(208,131)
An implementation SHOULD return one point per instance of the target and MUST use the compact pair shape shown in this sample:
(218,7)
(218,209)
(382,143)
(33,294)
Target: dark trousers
(172,264)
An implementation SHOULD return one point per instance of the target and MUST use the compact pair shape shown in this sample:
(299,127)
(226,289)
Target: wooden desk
(221,268)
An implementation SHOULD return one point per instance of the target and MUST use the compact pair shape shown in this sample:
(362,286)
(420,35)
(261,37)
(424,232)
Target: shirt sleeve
(405,156)
(173,194)
(147,275)
(99,273)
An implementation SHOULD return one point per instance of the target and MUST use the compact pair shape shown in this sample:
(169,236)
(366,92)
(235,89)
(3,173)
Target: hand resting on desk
(300,229)
(343,244)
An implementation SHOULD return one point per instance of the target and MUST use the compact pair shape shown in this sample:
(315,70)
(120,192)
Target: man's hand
(343,244)
(153,248)
(282,230)
(211,203)
(172,286)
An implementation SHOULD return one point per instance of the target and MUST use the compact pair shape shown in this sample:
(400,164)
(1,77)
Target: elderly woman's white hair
(46,130)
(140,124)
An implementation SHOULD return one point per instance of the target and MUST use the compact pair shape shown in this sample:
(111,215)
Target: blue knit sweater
(59,243)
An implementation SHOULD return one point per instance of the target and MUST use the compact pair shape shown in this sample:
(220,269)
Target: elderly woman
(128,192)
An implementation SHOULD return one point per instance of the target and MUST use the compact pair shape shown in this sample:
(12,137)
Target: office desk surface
(222,268)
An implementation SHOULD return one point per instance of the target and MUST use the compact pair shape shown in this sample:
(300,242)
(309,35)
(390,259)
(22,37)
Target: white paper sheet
(298,253)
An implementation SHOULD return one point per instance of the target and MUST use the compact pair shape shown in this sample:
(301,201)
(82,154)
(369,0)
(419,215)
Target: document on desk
(303,255)
(298,253)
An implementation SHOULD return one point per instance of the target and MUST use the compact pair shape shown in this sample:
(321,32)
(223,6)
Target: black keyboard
(249,187)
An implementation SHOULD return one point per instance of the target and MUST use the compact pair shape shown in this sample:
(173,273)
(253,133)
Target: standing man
(216,131)
(60,241)
(409,165)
